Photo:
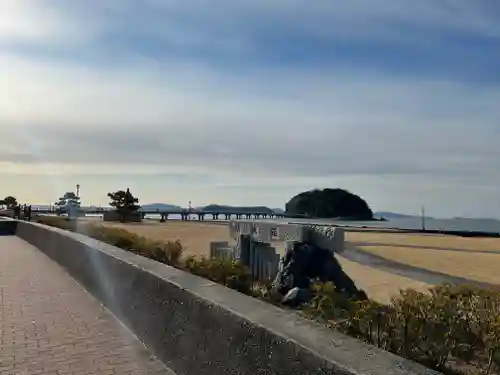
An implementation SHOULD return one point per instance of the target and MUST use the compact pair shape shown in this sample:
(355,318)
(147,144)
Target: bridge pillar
(228,216)
(248,216)
(201,216)
(164,218)
(215,216)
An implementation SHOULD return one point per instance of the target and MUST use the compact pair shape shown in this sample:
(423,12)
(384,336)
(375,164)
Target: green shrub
(169,252)
(448,329)
(227,272)
(327,304)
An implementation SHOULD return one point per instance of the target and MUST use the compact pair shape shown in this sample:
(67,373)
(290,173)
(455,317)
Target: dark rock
(305,262)
(296,296)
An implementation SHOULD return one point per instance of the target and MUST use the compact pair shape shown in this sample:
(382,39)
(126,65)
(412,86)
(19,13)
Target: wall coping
(345,354)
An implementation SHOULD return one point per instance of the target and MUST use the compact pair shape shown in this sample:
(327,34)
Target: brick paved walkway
(50,325)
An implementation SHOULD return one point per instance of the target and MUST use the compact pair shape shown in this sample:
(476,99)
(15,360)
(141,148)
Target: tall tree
(124,202)
(10,202)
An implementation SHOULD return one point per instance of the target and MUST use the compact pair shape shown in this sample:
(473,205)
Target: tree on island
(329,203)
(69,203)
(124,203)
(10,202)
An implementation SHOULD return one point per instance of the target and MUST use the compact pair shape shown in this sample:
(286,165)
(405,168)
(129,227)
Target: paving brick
(49,324)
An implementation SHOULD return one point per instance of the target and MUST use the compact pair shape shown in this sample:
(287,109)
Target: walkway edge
(196,326)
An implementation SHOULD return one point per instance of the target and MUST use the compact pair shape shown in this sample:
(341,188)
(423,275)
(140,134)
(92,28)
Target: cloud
(310,125)
(176,19)
(28,22)
(272,91)
(232,33)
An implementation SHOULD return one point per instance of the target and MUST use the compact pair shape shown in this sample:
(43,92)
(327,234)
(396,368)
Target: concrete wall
(8,226)
(198,327)
(255,241)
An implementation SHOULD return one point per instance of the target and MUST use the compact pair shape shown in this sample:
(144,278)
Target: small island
(329,204)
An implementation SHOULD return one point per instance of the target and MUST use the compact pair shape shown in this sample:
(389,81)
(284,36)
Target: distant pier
(186,214)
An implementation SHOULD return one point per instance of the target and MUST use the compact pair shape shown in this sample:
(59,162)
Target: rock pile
(305,262)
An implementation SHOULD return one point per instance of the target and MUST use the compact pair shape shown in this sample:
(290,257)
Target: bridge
(73,305)
(186,214)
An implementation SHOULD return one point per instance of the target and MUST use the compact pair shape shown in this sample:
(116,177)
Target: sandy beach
(196,237)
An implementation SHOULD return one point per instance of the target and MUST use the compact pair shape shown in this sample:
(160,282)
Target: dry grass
(428,240)
(379,285)
(471,258)
(473,266)
(194,236)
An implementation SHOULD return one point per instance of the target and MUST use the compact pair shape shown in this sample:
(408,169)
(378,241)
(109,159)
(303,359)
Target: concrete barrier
(8,226)
(198,327)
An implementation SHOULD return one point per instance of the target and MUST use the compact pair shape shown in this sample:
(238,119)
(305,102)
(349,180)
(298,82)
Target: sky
(250,103)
